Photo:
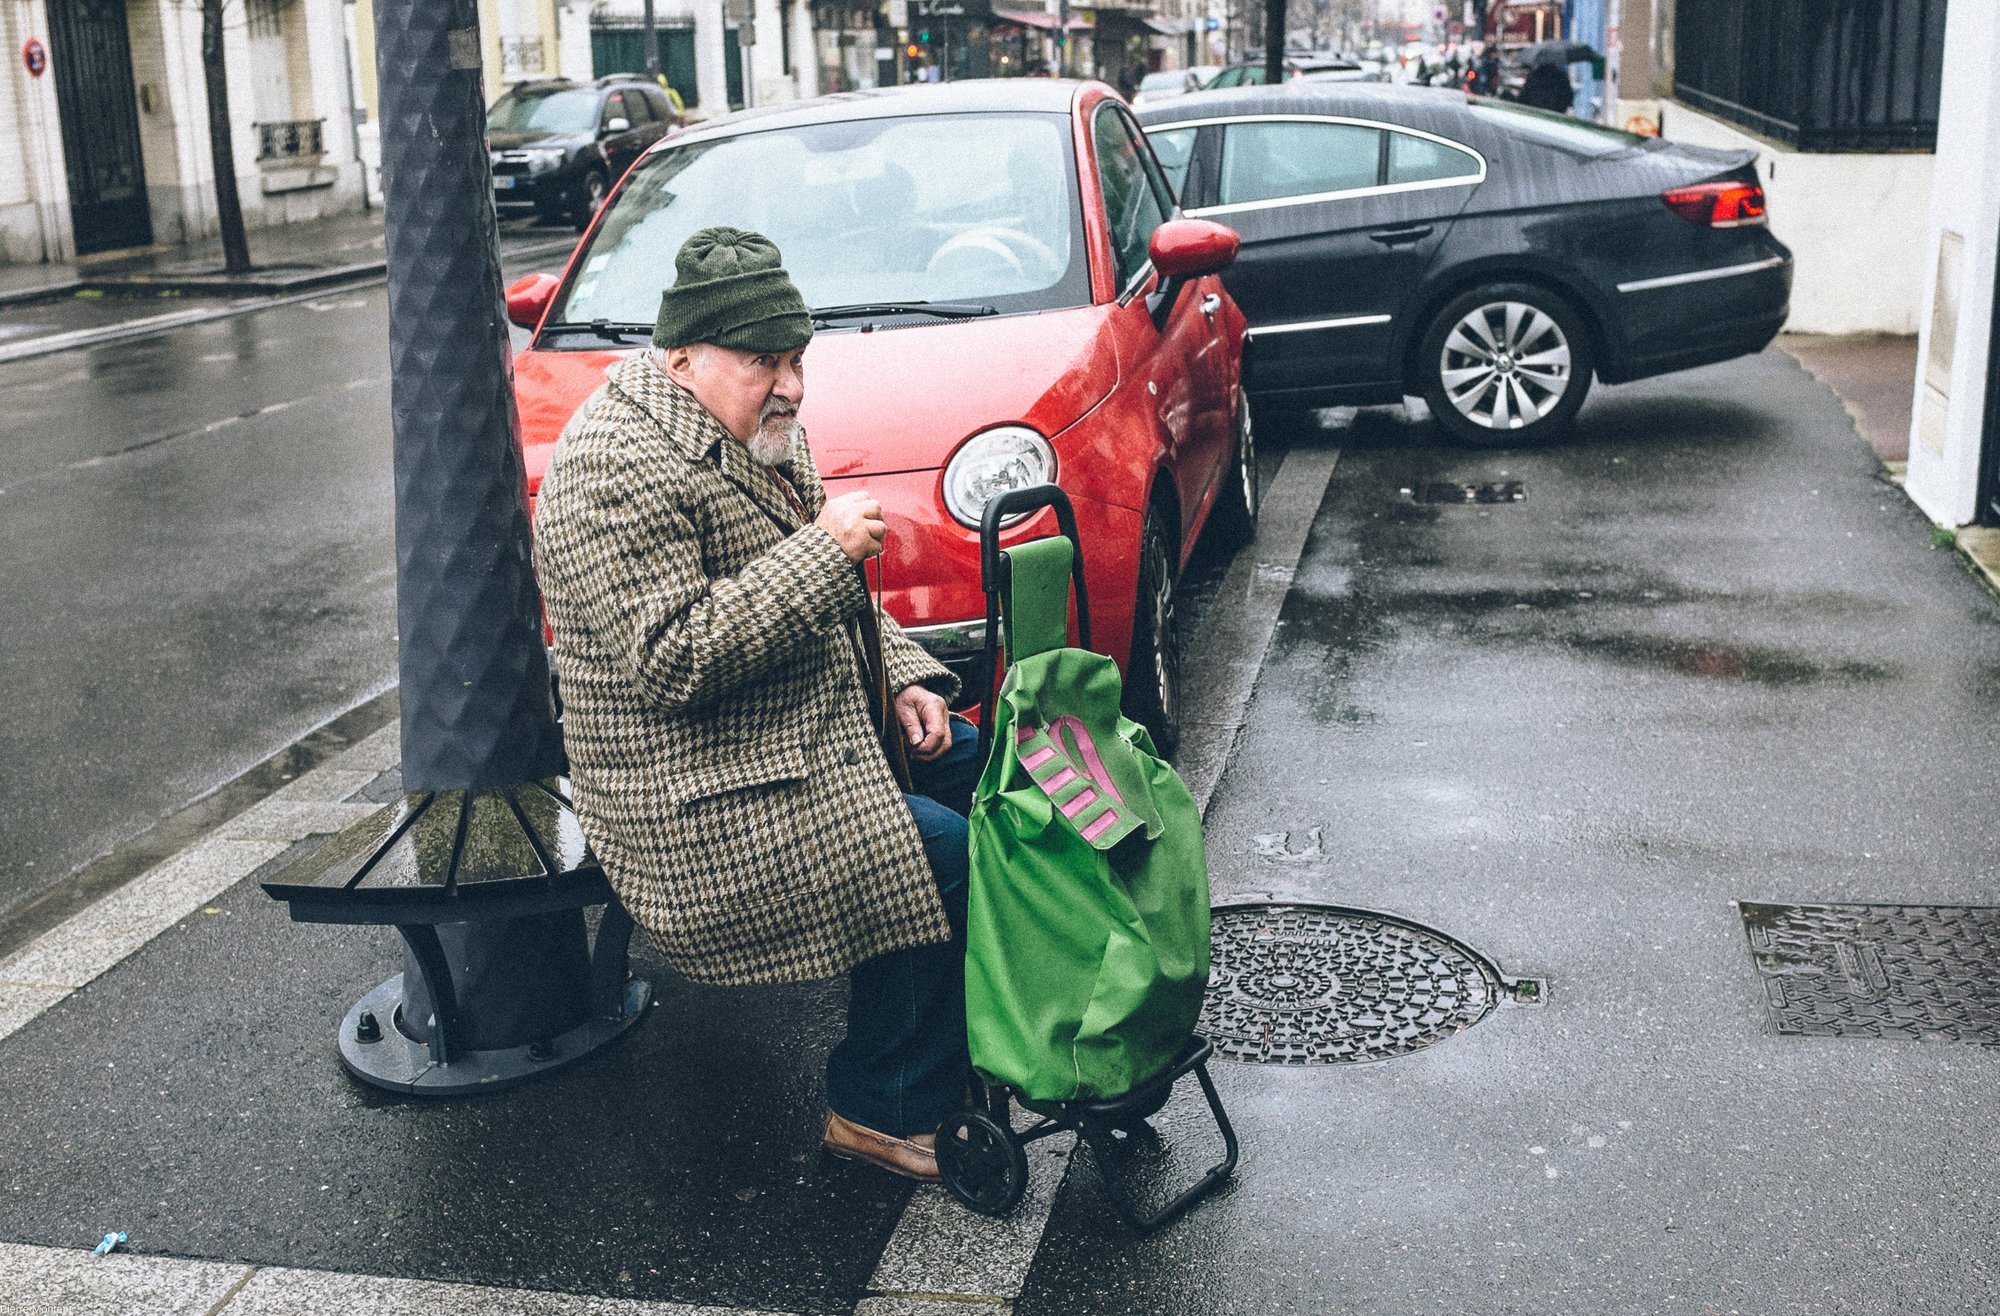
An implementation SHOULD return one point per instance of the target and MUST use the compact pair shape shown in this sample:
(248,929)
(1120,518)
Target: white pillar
(34,187)
(710,58)
(1948,418)
(805,49)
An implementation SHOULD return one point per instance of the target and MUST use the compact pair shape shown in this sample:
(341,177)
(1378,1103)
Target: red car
(1004,296)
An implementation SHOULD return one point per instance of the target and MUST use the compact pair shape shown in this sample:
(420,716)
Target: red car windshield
(962,208)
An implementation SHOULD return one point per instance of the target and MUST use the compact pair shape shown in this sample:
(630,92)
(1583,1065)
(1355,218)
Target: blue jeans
(902,1066)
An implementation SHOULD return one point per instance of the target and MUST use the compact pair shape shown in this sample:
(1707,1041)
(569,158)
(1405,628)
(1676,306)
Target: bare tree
(228,205)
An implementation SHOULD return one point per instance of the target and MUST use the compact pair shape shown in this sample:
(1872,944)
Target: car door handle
(1211,304)
(1396,237)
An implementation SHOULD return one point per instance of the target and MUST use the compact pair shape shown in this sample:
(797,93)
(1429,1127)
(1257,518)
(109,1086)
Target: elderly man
(704,592)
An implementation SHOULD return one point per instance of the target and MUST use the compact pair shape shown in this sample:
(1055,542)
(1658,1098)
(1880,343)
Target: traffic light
(911,51)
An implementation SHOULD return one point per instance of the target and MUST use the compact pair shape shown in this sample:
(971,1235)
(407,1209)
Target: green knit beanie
(731,289)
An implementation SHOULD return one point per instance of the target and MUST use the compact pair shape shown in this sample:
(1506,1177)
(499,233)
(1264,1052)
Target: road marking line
(147,326)
(71,1279)
(941,1256)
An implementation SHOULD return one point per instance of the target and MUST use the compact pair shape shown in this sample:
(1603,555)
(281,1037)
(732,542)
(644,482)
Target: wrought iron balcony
(291,140)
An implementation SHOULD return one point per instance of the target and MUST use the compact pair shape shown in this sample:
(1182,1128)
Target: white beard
(774,441)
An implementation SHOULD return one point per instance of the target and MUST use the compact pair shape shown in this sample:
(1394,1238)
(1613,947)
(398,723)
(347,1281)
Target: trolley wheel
(983,1163)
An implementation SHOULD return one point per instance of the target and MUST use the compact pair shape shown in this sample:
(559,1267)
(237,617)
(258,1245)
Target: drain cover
(1316,985)
(1928,973)
(1496,491)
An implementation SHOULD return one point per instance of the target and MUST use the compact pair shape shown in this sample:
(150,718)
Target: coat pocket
(698,774)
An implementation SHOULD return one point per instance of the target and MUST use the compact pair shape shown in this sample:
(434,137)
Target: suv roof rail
(611,78)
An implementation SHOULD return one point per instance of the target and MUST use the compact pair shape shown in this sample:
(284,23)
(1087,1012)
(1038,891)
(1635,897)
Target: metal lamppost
(481,866)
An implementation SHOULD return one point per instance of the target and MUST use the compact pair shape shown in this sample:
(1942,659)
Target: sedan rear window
(1266,161)
(1558,130)
(1421,160)
(943,208)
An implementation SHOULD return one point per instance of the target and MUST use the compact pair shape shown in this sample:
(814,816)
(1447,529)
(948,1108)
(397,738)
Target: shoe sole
(846,1155)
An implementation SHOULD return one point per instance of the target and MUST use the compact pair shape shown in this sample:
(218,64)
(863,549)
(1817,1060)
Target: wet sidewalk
(1709,661)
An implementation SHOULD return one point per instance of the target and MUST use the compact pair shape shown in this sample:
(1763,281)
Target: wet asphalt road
(1713,657)
(199,565)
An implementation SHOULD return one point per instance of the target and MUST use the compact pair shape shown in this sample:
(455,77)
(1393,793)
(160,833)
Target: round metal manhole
(1318,985)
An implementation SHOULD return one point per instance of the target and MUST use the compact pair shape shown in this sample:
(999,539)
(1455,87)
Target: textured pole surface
(475,682)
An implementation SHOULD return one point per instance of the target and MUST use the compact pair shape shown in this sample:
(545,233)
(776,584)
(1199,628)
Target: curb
(192,823)
(259,294)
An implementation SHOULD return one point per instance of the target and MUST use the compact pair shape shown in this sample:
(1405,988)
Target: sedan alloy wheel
(1506,363)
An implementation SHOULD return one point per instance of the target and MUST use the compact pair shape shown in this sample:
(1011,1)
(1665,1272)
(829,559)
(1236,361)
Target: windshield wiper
(942,310)
(612,331)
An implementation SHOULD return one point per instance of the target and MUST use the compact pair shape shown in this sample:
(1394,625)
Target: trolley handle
(993,567)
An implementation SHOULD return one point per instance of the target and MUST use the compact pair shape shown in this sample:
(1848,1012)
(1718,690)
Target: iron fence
(1818,75)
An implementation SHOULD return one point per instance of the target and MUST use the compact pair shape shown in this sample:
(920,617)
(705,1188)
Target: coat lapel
(697,434)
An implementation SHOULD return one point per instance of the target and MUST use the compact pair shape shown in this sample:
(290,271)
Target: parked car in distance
(1298,68)
(1487,257)
(557,146)
(1004,296)
(1171,82)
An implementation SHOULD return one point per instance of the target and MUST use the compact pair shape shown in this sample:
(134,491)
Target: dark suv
(558,146)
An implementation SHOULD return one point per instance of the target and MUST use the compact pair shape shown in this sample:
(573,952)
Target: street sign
(1211,24)
(35,56)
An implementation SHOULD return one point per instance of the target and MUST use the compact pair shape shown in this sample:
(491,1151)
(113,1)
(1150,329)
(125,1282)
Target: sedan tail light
(1729,203)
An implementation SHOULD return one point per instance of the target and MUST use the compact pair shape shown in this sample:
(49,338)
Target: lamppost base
(395,1062)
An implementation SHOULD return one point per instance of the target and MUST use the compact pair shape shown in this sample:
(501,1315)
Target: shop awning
(1047,22)
(1168,27)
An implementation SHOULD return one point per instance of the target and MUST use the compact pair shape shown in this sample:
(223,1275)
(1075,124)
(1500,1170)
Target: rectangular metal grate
(1495,491)
(1926,973)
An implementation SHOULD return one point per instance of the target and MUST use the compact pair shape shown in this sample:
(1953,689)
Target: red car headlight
(990,463)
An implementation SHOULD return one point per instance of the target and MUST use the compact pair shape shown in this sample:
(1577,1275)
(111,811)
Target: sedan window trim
(1344,194)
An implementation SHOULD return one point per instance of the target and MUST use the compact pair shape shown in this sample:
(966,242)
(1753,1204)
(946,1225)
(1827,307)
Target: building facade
(105,144)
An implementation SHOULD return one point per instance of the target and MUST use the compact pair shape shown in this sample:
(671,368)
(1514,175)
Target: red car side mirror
(528,299)
(1190,248)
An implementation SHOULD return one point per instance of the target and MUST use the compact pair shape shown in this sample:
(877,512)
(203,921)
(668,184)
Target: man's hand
(855,522)
(925,720)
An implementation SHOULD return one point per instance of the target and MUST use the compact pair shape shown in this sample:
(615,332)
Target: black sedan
(1486,257)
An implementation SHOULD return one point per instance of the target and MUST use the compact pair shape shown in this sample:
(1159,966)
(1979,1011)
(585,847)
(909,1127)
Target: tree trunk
(228,206)
(1274,41)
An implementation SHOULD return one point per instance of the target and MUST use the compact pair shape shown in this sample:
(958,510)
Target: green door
(623,50)
(732,63)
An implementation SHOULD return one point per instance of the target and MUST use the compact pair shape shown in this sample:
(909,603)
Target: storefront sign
(35,56)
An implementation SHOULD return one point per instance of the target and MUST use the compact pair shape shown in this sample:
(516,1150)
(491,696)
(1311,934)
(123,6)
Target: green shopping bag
(1087,933)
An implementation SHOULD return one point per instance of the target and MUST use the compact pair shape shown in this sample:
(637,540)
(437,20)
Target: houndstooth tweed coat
(723,760)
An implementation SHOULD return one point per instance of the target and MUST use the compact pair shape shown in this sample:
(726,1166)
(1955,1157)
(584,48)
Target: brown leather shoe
(913,1158)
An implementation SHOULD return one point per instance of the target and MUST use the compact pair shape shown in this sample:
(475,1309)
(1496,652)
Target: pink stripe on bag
(1022,735)
(1086,749)
(1084,799)
(1059,780)
(1099,825)
(1039,757)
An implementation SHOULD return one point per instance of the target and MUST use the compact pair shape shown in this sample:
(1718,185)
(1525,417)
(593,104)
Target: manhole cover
(1494,491)
(1316,985)
(1919,972)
